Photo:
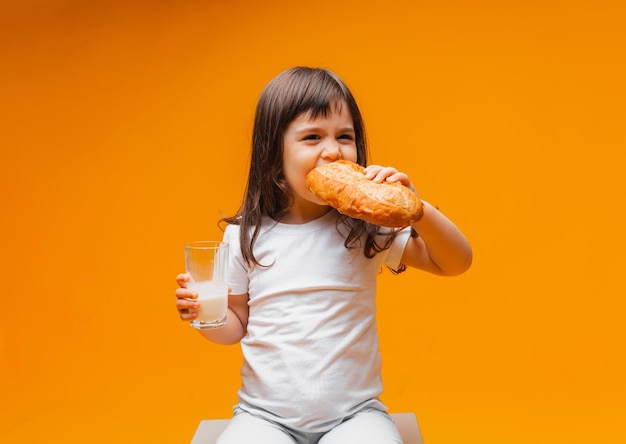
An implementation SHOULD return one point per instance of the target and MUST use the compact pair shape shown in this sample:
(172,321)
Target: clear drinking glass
(207,264)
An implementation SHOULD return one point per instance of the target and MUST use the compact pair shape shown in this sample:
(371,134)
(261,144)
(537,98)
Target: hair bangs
(314,92)
(327,99)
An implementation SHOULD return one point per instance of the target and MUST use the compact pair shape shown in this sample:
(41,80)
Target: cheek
(295,174)
(349,154)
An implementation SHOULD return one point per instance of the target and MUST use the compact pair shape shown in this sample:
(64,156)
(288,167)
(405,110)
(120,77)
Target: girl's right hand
(186,300)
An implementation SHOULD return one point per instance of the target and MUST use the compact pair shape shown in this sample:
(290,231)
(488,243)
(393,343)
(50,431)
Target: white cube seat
(209,429)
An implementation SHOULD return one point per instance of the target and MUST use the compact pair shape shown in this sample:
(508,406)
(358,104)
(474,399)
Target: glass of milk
(207,264)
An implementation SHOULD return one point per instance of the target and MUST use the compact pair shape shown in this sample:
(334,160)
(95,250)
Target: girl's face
(309,142)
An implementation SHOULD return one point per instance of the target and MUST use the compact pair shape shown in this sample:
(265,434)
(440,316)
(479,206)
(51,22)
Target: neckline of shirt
(308,227)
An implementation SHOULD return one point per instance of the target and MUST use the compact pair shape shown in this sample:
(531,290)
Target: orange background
(124,132)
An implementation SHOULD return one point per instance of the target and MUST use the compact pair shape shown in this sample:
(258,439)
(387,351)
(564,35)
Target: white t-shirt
(311,354)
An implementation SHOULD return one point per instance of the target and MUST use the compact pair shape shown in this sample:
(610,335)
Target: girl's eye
(312,137)
(346,137)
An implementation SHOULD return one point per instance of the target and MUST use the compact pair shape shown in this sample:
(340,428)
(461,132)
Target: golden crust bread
(343,186)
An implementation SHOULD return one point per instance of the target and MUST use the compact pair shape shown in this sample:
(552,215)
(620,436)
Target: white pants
(367,427)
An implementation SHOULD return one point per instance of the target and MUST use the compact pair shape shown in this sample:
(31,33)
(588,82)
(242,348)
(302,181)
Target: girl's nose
(332,151)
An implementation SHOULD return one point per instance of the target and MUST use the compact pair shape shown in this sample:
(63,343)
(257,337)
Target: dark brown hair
(288,95)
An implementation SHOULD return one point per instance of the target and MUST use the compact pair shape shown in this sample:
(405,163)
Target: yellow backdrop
(124,133)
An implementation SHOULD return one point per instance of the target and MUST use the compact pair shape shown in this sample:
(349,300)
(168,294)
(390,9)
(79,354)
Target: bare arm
(236,322)
(441,248)
(236,317)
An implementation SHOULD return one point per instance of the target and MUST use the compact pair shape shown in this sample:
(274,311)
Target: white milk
(213,298)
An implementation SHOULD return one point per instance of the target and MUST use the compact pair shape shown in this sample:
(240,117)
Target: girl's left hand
(380,174)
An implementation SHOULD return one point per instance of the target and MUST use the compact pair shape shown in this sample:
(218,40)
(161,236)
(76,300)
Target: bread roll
(343,186)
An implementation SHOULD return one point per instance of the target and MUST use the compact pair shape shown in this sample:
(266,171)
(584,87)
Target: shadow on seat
(209,429)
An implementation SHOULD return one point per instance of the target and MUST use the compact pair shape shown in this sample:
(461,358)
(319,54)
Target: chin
(317,201)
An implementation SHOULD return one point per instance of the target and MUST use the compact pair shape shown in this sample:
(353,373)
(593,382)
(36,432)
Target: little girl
(303,277)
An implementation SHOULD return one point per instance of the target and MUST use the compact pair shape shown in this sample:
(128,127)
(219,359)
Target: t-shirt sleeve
(395,252)
(237,268)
